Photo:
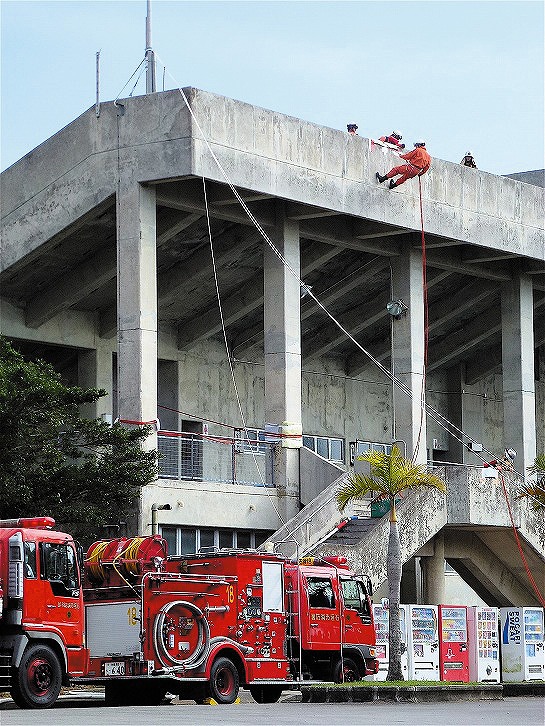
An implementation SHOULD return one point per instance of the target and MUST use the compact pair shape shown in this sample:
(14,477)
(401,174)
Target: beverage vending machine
(422,642)
(522,647)
(484,644)
(382,649)
(453,648)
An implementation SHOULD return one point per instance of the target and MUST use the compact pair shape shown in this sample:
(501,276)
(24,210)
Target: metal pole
(97,104)
(150,55)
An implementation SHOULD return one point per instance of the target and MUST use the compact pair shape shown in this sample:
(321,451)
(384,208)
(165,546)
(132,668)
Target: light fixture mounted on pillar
(397,308)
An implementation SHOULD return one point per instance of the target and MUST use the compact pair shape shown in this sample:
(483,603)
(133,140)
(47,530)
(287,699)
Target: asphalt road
(521,711)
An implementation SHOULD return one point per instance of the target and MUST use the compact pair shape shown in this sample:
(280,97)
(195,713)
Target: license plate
(114,669)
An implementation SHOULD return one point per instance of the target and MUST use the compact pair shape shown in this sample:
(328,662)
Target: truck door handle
(51,606)
(314,625)
(349,627)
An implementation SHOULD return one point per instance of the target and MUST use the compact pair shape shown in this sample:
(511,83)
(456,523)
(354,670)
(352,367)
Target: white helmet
(468,153)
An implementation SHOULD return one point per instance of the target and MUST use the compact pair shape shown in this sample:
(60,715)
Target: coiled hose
(200,653)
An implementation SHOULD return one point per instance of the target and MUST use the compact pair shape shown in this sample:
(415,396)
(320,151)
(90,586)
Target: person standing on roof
(352,129)
(468,160)
(418,162)
(394,138)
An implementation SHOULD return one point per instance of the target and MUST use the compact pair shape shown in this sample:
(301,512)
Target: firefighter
(468,160)
(418,162)
(394,138)
(352,129)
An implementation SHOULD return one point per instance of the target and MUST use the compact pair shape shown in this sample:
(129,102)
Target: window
(207,538)
(189,540)
(361,447)
(30,560)
(250,441)
(330,448)
(355,596)
(169,534)
(320,592)
(58,565)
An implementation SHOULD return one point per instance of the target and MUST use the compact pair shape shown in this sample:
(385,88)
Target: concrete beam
(493,574)
(346,233)
(452,260)
(72,287)
(241,303)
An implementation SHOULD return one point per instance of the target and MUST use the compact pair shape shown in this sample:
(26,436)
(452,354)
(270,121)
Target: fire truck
(129,617)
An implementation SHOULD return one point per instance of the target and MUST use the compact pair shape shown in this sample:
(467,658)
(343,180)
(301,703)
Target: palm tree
(390,475)
(535,491)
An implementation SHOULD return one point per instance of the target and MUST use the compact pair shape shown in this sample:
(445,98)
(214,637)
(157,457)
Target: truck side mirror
(80,557)
(369,586)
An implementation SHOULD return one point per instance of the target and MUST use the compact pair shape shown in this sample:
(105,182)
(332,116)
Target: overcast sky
(463,75)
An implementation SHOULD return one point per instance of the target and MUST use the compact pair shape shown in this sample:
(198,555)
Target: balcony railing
(200,457)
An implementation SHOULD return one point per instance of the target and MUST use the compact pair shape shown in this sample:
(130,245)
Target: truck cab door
(357,620)
(323,613)
(59,596)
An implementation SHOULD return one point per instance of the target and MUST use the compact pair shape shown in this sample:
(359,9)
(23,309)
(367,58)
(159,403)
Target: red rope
(424,279)
(517,539)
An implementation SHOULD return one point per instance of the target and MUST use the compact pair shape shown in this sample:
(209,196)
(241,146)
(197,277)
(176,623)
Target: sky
(463,75)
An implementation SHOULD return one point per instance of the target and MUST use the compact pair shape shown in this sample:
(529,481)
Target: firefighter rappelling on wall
(141,623)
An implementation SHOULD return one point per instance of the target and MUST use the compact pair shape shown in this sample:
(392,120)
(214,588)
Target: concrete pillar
(519,404)
(282,345)
(95,371)
(408,352)
(455,413)
(434,573)
(137,304)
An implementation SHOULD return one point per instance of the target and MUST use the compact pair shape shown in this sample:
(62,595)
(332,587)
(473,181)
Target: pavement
(342,694)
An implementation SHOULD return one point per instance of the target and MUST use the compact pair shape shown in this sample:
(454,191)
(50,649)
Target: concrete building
(107,273)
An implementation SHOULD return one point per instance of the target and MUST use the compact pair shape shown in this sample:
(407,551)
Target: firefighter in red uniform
(418,163)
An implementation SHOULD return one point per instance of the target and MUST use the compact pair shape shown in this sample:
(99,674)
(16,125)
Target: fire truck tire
(347,668)
(38,680)
(266,694)
(224,681)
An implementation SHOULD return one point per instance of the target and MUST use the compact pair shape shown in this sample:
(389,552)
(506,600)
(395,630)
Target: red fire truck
(141,623)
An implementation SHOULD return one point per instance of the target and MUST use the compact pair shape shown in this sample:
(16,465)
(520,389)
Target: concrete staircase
(472,518)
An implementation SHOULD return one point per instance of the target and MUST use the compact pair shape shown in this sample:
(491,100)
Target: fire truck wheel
(266,694)
(348,668)
(37,682)
(224,681)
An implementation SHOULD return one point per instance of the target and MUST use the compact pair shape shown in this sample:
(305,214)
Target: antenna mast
(150,55)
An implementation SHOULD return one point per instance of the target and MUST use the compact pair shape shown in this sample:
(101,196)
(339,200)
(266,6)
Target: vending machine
(422,642)
(484,644)
(453,647)
(381,615)
(522,647)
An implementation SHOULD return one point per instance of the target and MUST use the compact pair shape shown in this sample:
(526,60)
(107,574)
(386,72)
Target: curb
(404,694)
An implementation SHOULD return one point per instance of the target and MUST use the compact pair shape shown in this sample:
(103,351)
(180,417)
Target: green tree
(84,473)
(390,475)
(535,491)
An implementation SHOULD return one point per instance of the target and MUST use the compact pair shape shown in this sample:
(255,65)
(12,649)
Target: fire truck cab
(200,626)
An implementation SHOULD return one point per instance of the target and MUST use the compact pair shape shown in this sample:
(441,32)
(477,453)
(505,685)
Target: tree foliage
(535,491)
(84,473)
(389,476)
